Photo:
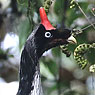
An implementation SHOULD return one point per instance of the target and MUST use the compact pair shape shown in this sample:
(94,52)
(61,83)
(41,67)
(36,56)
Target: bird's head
(47,36)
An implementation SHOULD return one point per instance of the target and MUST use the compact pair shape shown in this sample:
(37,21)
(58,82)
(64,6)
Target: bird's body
(29,76)
(43,38)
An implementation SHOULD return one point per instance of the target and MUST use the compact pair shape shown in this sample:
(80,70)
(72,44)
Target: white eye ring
(47,34)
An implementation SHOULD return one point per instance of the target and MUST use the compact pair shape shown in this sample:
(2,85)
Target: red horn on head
(44,20)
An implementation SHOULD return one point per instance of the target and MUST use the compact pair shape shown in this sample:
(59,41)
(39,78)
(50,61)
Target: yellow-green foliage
(79,54)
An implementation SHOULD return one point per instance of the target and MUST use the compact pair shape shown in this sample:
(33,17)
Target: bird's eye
(48,35)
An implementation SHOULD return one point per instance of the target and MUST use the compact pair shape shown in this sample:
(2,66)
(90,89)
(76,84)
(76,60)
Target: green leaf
(46,72)
(23,31)
(23,2)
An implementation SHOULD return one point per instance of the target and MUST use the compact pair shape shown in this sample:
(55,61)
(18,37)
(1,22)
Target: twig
(92,13)
(87,27)
(85,14)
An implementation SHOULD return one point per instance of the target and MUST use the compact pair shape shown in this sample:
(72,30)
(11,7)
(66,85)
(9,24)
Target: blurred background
(60,75)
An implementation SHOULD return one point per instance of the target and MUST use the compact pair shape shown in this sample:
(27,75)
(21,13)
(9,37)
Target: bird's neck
(30,83)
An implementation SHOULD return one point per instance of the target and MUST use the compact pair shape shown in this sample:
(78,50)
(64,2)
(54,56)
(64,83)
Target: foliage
(68,13)
(61,74)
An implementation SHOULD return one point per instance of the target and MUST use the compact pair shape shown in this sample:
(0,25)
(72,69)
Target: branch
(84,14)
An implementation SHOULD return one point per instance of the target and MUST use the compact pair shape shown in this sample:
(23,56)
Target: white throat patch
(36,85)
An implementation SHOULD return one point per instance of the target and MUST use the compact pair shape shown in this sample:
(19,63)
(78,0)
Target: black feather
(34,47)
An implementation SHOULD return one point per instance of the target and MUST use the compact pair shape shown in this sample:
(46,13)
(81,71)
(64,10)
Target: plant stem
(85,15)
(87,27)
(92,13)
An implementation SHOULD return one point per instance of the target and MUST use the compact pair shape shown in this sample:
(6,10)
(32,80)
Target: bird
(43,38)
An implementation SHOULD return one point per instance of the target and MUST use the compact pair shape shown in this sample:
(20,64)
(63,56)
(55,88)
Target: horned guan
(43,38)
